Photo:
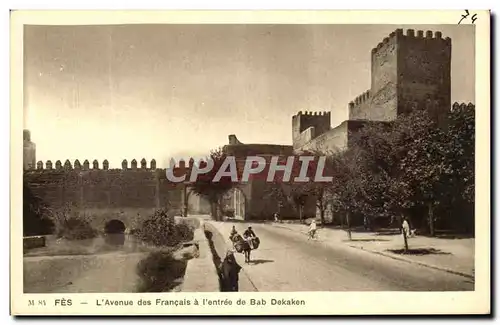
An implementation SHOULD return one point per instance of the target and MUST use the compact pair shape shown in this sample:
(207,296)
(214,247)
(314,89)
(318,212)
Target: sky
(160,91)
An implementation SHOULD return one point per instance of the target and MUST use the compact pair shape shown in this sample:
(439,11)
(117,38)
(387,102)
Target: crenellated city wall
(359,106)
(95,191)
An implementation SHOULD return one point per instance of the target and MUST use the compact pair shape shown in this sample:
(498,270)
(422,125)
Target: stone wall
(123,194)
(320,121)
(257,204)
(359,108)
(384,80)
(241,151)
(331,141)
(407,69)
(201,274)
(339,138)
(304,137)
(424,66)
(104,188)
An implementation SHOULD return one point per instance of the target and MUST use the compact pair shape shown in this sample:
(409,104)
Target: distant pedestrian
(406,227)
(230,270)
(276,217)
(312,229)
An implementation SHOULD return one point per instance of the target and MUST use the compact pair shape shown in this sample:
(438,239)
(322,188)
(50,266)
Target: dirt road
(287,261)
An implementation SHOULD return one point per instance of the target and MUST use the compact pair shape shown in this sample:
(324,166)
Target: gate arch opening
(197,204)
(235,204)
(115,232)
(114,227)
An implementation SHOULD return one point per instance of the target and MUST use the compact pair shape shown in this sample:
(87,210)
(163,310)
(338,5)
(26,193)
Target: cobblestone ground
(287,261)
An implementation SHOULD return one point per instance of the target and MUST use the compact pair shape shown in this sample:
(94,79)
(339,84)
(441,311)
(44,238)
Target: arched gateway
(235,204)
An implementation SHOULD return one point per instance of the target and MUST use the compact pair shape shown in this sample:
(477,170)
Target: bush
(190,221)
(184,232)
(161,230)
(159,271)
(35,221)
(75,228)
(72,226)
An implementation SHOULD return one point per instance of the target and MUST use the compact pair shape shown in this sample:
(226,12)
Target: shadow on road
(366,240)
(215,257)
(419,251)
(260,261)
(454,236)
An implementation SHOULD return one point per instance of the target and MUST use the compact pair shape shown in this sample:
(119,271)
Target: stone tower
(314,123)
(406,70)
(29,151)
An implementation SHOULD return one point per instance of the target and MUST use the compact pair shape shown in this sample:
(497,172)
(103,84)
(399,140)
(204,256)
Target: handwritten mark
(467,14)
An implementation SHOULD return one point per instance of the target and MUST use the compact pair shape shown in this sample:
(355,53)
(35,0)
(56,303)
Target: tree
(461,136)
(424,167)
(461,159)
(438,168)
(321,191)
(374,177)
(369,164)
(397,166)
(344,188)
(36,214)
(299,197)
(279,192)
(292,196)
(297,194)
(213,191)
(390,169)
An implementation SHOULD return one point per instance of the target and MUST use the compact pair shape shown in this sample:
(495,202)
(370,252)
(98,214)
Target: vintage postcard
(250,163)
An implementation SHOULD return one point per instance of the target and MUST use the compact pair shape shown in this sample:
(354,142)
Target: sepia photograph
(206,158)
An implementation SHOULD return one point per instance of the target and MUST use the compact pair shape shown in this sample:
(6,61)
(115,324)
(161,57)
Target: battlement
(307,125)
(181,163)
(406,66)
(359,106)
(95,165)
(462,106)
(361,99)
(409,35)
(310,113)
(102,189)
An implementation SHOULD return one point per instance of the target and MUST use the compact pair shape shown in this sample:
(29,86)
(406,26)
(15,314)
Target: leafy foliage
(392,169)
(161,230)
(460,157)
(71,225)
(36,219)
(211,190)
(290,196)
(159,271)
(184,232)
